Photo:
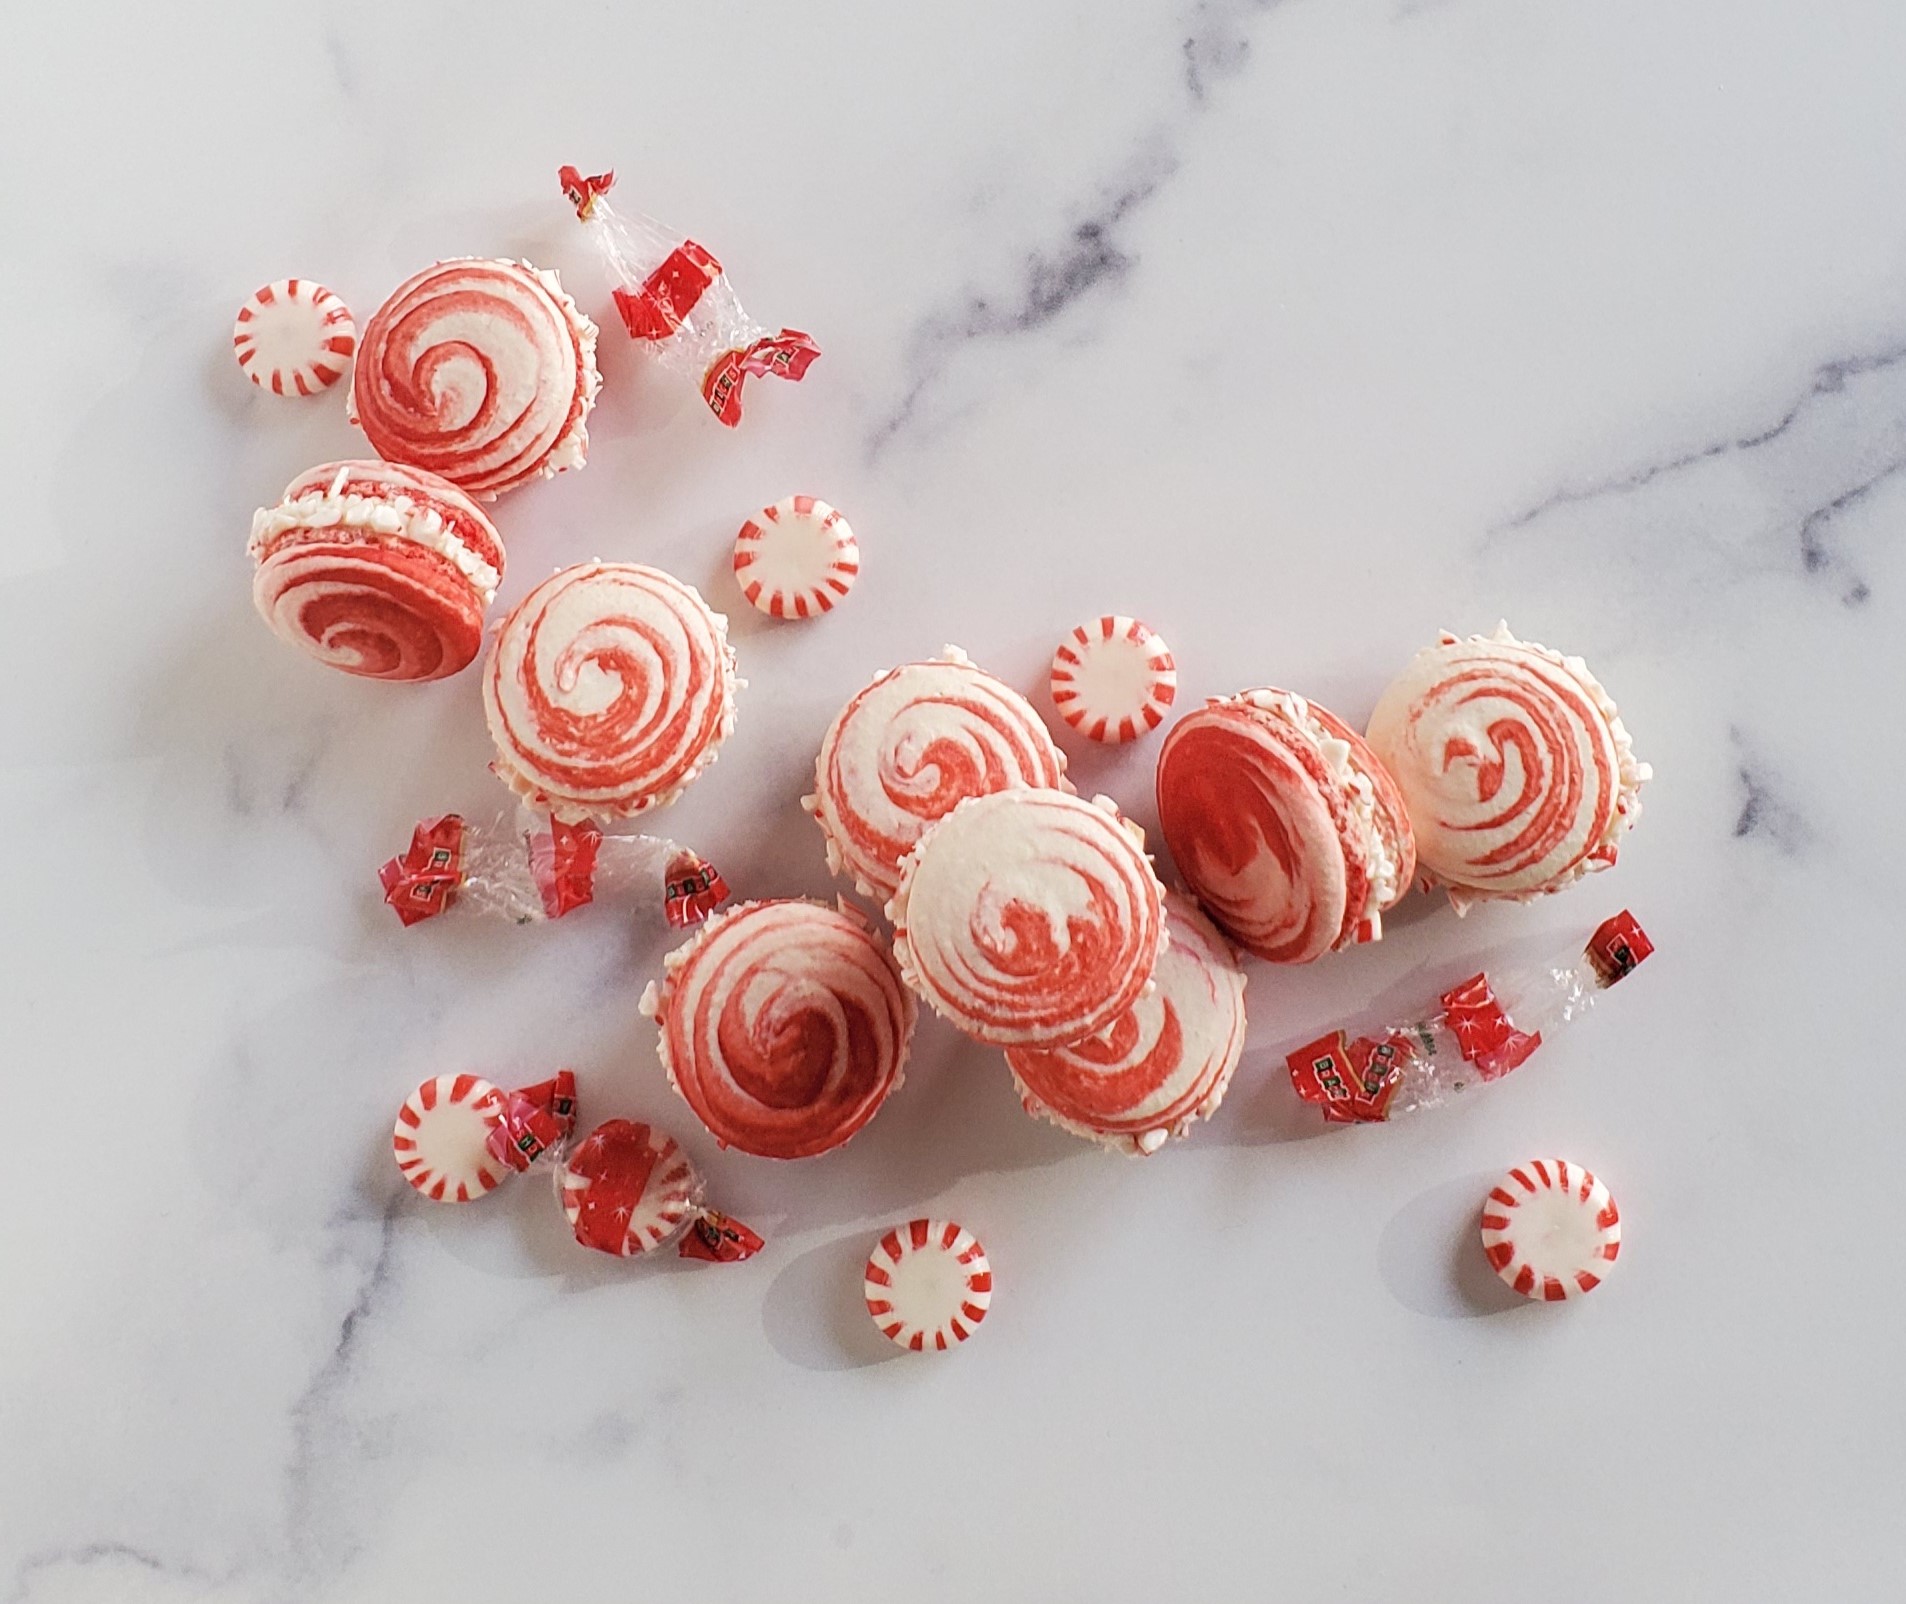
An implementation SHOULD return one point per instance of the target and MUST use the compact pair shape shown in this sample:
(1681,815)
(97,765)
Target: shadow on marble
(815,1315)
(1430,1256)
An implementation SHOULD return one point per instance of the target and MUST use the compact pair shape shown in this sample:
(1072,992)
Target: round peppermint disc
(441,1140)
(1550,1229)
(294,338)
(929,1284)
(796,559)
(1113,679)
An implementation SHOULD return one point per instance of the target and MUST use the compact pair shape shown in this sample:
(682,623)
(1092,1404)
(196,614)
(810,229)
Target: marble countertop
(1302,330)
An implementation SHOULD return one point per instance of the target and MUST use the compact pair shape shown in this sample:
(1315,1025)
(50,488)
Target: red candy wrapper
(674,298)
(543,869)
(536,1120)
(1482,1030)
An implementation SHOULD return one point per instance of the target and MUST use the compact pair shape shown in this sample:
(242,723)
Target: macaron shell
(1262,828)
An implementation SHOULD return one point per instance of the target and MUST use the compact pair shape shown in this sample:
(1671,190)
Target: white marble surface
(1303,330)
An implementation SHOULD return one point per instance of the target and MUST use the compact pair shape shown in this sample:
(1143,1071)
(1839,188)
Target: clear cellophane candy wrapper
(535,868)
(674,298)
(1480,1031)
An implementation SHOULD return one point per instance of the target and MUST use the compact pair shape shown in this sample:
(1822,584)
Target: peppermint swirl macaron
(376,569)
(784,1025)
(482,371)
(908,749)
(1164,1063)
(608,689)
(1283,824)
(1513,762)
(1029,918)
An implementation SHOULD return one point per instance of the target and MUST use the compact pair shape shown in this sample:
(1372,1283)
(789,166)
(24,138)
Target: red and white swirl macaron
(784,1025)
(627,1188)
(294,337)
(442,1138)
(908,749)
(1029,918)
(796,559)
(1551,1229)
(480,370)
(377,569)
(1283,824)
(928,1285)
(1164,1063)
(607,690)
(1113,679)
(1515,767)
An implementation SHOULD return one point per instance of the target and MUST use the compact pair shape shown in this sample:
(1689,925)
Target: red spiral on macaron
(1029,918)
(1514,765)
(1164,1063)
(908,749)
(607,690)
(784,1025)
(480,370)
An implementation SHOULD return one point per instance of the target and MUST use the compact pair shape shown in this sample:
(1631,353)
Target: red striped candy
(928,1285)
(442,1136)
(796,559)
(1113,679)
(294,337)
(1551,1230)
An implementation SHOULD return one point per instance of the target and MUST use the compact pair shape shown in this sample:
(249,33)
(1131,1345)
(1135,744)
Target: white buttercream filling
(1385,870)
(394,517)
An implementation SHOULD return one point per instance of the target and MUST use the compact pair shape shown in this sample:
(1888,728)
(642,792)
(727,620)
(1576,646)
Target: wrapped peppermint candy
(543,869)
(674,298)
(628,1189)
(1482,1029)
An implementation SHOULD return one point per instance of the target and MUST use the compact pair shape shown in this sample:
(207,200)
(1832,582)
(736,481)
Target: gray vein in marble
(1835,450)
(1765,813)
(85,1556)
(311,1414)
(1090,257)
(1829,378)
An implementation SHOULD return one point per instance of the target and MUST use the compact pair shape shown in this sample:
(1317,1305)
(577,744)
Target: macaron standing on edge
(1284,824)
(376,569)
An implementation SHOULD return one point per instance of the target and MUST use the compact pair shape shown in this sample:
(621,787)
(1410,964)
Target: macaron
(1513,763)
(608,689)
(784,1026)
(908,749)
(1283,824)
(376,569)
(482,371)
(1161,1065)
(1029,918)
